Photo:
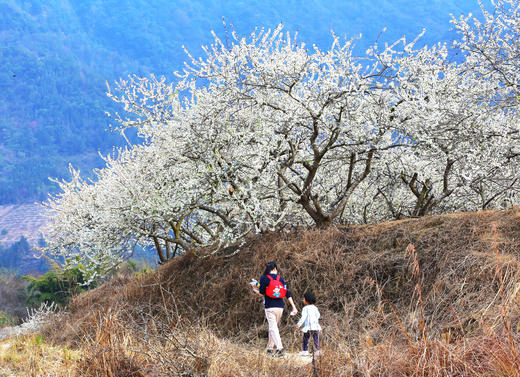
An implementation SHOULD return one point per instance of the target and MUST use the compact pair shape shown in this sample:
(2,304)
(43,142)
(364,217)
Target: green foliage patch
(56,286)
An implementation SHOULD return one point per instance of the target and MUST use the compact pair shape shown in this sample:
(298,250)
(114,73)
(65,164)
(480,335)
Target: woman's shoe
(304,353)
(270,351)
(279,353)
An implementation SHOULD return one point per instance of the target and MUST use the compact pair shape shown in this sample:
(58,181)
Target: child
(309,320)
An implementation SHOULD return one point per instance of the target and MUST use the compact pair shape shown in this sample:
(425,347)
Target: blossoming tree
(267,132)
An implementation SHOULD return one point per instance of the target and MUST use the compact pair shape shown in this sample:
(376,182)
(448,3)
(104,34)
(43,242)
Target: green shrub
(56,286)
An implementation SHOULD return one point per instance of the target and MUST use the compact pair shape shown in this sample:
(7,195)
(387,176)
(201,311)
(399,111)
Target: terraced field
(21,220)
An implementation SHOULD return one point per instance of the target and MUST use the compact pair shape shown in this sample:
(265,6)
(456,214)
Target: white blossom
(268,133)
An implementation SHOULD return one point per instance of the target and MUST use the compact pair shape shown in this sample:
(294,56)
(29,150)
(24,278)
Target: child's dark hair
(269,267)
(309,297)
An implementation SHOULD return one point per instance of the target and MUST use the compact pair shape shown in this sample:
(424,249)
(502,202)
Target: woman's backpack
(275,289)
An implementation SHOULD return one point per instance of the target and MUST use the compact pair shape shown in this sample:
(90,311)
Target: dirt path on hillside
(297,360)
(4,347)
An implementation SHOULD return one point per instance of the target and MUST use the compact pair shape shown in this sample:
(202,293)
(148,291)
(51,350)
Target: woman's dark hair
(309,297)
(269,267)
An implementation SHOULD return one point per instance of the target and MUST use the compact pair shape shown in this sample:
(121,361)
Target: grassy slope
(367,279)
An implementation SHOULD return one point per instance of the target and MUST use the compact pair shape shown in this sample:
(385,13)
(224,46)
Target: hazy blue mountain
(57,55)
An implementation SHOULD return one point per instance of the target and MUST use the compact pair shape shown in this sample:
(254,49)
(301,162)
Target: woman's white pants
(273,316)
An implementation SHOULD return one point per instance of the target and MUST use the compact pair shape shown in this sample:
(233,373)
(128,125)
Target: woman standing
(273,289)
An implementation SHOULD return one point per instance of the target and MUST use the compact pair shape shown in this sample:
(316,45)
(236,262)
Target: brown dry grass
(150,347)
(32,356)
(450,308)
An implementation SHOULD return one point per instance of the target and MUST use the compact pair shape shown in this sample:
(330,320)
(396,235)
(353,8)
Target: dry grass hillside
(436,296)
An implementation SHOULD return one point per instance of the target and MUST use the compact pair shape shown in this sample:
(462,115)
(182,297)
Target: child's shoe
(304,353)
(317,353)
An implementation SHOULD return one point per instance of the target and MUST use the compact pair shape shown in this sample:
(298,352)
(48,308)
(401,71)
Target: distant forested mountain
(20,258)
(57,55)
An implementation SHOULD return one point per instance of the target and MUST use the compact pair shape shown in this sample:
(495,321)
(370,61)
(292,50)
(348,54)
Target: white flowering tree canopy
(266,132)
